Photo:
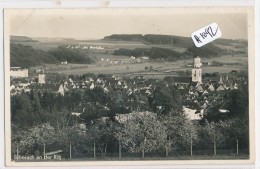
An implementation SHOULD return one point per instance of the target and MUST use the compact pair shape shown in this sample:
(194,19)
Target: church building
(196,70)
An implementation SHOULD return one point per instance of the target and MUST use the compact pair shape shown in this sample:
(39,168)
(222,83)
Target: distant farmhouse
(18,72)
(64,63)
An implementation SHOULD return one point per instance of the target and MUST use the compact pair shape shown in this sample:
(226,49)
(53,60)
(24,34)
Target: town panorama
(128,97)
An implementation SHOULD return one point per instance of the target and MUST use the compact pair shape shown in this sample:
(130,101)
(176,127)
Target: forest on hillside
(157,39)
(206,51)
(26,56)
(152,39)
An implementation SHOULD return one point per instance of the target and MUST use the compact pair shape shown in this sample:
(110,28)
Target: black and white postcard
(129,86)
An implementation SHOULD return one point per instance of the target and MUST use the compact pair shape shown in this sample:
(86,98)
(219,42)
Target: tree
(238,102)
(103,134)
(180,131)
(165,99)
(210,134)
(151,68)
(48,102)
(26,56)
(212,113)
(72,140)
(37,108)
(92,113)
(72,56)
(22,113)
(146,68)
(234,130)
(208,50)
(17,134)
(142,132)
(72,99)
(34,139)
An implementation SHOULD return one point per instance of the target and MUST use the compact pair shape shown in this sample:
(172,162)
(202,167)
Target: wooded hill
(26,56)
(206,51)
(209,50)
(21,39)
(153,39)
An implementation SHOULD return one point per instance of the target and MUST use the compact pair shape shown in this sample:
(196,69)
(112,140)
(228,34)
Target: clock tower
(196,71)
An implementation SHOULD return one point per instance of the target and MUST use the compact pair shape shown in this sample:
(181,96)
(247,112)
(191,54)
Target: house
(227,83)
(145,58)
(82,107)
(220,88)
(148,92)
(92,86)
(235,86)
(99,80)
(61,90)
(193,110)
(49,87)
(199,88)
(180,87)
(122,118)
(192,114)
(205,92)
(185,81)
(20,84)
(211,87)
(86,107)
(12,87)
(75,114)
(223,108)
(106,90)
(215,79)
(64,63)
(18,72)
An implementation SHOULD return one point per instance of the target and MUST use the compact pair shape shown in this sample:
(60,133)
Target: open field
(107,45)
(107,63)
(234,47)
(160,68)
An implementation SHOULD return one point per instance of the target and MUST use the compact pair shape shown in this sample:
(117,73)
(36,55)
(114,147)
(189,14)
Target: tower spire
(196,71)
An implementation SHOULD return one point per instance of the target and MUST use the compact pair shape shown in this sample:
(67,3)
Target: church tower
(41,77)
(196,71)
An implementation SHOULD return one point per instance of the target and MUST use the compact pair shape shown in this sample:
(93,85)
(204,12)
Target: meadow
(106,62)
(160,68)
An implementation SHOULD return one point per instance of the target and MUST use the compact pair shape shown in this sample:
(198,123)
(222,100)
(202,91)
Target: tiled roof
(192,105)
(182,79)
(50,87)
(214,79)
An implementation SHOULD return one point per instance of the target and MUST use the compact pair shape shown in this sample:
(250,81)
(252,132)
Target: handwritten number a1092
(210,31)
(206,35)
(197,39)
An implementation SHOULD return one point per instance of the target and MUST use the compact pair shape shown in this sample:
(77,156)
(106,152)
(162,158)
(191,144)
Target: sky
(97,23)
